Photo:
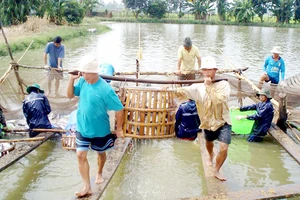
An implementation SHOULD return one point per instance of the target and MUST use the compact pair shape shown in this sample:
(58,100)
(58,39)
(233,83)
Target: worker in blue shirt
(274,68)
(187,121)
(263,116)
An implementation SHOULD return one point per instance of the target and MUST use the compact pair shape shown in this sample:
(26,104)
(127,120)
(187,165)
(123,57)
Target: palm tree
(200,8)
(242,11)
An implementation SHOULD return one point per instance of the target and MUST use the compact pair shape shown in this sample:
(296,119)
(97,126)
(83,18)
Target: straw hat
(208,62)
(276,49)
(29,88)
(266,92)
(89,65)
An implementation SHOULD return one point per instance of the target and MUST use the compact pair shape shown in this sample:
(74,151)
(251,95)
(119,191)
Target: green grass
(41,39)
(127,16)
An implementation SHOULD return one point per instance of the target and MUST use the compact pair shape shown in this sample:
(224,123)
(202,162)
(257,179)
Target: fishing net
(13,91)
(14,82)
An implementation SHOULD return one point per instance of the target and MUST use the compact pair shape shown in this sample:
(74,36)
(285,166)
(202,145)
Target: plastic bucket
(243,126)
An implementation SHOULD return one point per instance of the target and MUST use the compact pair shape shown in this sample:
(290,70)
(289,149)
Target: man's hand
(234,108)
(59,69)
(74,76)
(120,134)
(240,117)
(178,72)
(207,81)
(47,67)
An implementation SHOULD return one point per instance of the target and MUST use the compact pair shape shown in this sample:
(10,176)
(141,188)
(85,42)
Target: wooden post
(281,122)
(5,39)
(137,70)
(239,94)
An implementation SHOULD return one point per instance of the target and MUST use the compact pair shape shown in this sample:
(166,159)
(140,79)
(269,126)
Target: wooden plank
(283,191)
(286,142)
(113,161)
(14,156)
(214,186)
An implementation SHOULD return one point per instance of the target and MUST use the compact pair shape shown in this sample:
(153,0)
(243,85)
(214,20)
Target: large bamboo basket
(149,113)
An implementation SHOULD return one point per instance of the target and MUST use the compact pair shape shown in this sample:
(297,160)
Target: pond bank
(21,37)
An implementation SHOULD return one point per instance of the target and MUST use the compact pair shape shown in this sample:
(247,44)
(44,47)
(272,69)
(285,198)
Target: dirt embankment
(32,26)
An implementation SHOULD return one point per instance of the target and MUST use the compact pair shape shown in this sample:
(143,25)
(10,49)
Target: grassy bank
(19,42)
(206,22)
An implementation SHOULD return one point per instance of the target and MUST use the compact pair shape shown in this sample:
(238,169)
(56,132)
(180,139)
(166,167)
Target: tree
(136,6)
(283,10)
(222,7)
(200,8)
(14,12)
(89,5)
(177,6)
(73,12)
(297,10)
(55,10)
(260,8)
(157,9)
(242,11)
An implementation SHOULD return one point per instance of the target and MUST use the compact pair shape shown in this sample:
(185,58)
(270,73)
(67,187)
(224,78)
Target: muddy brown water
(161,169)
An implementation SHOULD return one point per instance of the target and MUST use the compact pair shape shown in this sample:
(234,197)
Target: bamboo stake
(23,140)
(36,130)
(293,132)
(25,51)
(5,39)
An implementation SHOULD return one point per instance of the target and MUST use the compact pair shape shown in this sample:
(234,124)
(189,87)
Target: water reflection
(159,169)
(258,165)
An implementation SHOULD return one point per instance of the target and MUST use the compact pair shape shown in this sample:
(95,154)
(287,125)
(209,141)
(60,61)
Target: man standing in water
(56,53)
(212,104)
(93,127)
(186,59)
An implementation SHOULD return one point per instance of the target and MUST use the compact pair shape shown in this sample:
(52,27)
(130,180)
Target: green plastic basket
(243,126)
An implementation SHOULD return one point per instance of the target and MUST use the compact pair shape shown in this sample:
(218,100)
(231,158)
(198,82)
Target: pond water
(172,169)
(161,169)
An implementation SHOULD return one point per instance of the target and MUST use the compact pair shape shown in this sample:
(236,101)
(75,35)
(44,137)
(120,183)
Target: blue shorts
(273,80)
(99,144)
(223,134)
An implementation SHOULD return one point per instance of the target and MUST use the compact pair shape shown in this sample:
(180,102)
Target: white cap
(208,62)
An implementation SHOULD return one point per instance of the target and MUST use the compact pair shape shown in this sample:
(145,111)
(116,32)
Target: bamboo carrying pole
(23,140)
(114,78)
(220,71)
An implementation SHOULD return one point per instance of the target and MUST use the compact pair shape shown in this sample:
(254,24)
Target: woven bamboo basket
(68,142)
(149,113)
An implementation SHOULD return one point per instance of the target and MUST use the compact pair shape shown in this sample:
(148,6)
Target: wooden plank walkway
(283,191)
(286,142)
(21,150)
(213,184)
(113,160)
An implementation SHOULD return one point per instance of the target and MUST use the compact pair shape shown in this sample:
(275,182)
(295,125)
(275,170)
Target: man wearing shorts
(274,68)
(93,127)
(56,53)
(212,104)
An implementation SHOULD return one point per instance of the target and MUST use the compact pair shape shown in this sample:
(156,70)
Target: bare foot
(99,179)
(86,191)
(219,176)
(210,159)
